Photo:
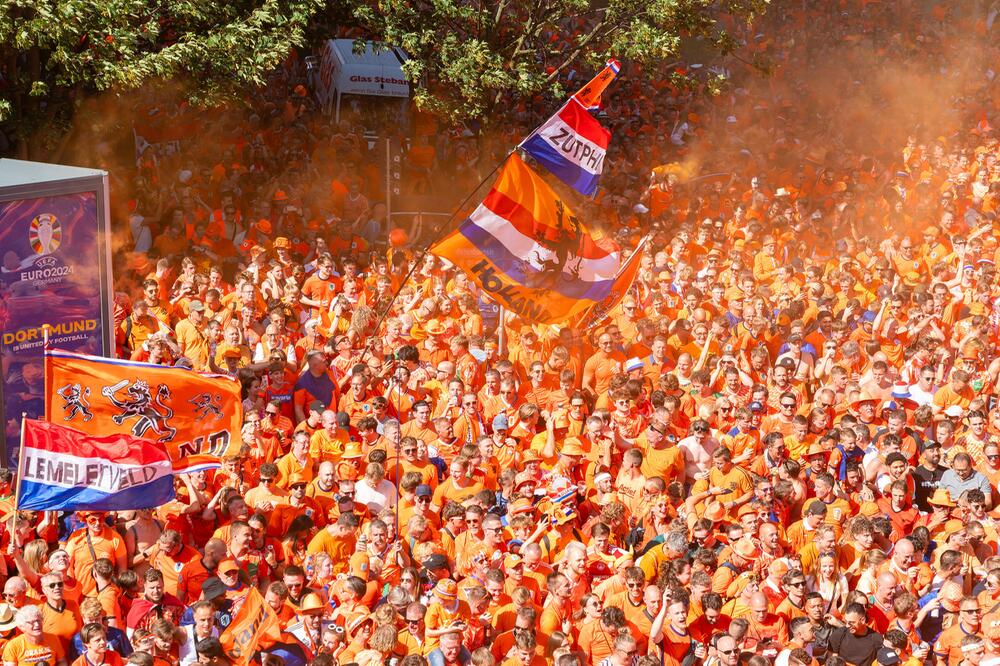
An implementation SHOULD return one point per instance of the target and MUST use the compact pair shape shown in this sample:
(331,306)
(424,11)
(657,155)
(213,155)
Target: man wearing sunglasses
(59,615)
(90,543)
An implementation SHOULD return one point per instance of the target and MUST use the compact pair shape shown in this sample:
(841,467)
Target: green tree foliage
(467,54)
(53,53)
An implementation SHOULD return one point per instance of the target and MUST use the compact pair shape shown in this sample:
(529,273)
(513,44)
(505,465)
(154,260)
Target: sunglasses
(54,586)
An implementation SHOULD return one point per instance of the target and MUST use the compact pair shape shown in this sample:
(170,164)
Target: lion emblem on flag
(149,413)
(552,257)
(206,404)
(75,402)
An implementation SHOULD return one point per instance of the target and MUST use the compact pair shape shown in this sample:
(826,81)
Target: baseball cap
(929,444)
(756,406)
(213,588)
(423,490)
(888,657)
(435,561)
(197,306)
(512,560)
(228,565)
(500,422)
(316,406)
(633,364)
(816,508)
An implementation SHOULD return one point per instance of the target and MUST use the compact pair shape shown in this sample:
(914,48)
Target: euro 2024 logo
(45,234)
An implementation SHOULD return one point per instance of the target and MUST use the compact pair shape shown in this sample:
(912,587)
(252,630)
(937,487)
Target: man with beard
(154,604)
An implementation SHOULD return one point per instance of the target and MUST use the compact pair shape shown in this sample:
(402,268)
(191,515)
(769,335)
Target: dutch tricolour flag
(64,469)
(571,144)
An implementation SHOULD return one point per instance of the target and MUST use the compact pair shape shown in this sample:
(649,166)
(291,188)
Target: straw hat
(941,497)
(746,549)
(434,327)
(446,589)
(7,622)
(816,450)
(571,447)
(352,450)
(715,511)
(864,396)
(312,603)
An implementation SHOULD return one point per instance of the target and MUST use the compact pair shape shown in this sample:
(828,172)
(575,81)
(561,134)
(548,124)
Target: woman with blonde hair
(31,562)
(871,560)
(380,646)
(319,567)
(827,579)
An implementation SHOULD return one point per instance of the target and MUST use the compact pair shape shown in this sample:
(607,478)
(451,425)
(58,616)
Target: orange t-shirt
(22,651)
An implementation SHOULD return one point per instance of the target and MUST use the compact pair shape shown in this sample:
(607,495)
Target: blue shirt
(117,641)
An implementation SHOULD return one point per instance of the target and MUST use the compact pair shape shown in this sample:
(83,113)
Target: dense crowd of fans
(782,448)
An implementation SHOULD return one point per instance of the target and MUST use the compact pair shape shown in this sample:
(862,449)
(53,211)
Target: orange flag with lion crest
(195,417)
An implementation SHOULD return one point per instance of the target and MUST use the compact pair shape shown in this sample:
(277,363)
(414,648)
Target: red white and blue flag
(63,469)
(571,144)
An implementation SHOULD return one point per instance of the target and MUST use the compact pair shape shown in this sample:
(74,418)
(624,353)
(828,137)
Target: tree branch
(576,52)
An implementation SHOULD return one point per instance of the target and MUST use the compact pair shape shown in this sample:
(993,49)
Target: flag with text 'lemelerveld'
(571,144)
(196,417)
(63,469)
(526,249)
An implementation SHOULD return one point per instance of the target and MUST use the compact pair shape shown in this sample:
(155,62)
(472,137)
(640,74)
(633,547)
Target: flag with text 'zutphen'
(63,469)
(571,144)
(529,252)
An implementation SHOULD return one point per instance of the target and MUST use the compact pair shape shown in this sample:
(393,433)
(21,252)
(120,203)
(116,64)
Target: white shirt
(188,654)
(920,396)
(377,498)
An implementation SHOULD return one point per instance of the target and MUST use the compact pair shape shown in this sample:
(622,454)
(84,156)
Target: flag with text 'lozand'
(196,417)
(63,469)
(526,249)
(254,622)
(622,284)
(571,144)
